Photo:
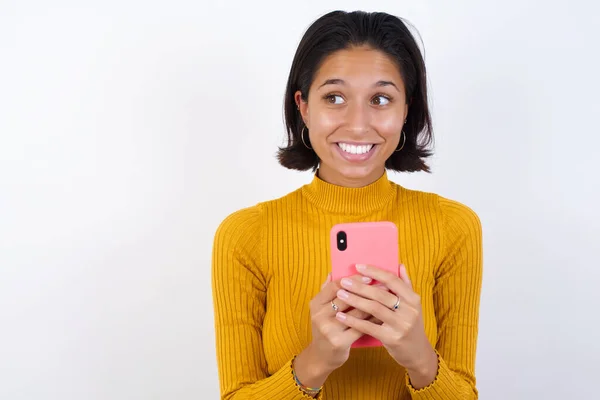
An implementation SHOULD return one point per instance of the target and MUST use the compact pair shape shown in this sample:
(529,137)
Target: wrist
(309,369)
(423,373)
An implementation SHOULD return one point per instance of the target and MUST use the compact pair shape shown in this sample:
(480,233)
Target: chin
(362,173)
(355,172)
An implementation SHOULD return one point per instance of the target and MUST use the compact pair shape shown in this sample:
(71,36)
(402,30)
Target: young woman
(355,106)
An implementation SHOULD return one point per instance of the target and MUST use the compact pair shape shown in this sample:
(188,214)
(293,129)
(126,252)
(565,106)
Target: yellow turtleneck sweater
(271,259)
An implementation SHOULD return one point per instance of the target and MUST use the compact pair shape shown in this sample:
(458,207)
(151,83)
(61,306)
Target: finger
(343,306)
(355,312)
(372,307)
(326,281)
(404,275)
(393,282)
(372,292)
(350,335)
(360,325)
(373,320)
(327,293)
(333,327)
(329,290)
(328,309)
(381,286)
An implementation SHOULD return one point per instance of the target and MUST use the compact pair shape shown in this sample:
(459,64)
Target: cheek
(389,126)
(324,123)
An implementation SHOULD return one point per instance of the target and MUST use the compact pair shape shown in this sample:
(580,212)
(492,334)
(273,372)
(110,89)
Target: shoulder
(250,220)
(245,218)
(240,229)
(449,214)
(459,217)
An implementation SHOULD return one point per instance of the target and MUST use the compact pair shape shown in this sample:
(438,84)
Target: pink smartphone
(372,243)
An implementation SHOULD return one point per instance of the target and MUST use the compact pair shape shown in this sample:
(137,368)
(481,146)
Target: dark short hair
(340,30)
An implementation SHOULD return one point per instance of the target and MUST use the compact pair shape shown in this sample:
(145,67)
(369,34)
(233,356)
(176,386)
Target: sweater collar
(346,200)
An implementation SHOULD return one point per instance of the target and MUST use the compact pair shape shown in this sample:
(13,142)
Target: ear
(302,106)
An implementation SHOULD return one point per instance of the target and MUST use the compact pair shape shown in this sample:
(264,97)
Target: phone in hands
(371,243)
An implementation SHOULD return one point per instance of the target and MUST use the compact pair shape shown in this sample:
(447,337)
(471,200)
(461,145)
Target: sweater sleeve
(456,301)
(239,299)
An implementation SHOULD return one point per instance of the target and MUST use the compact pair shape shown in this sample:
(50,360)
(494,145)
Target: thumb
(326,281)
(404,275)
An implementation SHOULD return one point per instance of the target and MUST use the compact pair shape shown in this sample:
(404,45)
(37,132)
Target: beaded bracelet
(305,389)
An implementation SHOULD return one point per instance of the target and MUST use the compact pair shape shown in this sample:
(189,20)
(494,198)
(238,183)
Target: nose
(358,118)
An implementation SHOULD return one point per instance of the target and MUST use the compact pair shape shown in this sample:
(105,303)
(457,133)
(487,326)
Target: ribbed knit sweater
(270,260)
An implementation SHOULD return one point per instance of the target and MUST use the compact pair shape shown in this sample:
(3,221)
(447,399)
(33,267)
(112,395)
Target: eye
(381,100)
(334,99)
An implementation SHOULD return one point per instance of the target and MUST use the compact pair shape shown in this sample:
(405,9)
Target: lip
(355,143)
(355,158)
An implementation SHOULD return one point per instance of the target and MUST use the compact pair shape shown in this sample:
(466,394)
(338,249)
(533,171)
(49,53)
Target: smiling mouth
(355,149)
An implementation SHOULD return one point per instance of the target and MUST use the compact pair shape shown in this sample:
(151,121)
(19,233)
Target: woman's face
(355,112)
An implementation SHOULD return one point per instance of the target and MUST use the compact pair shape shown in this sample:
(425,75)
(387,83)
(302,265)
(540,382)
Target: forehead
(359,66)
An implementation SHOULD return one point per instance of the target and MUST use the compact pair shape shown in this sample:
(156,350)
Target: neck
(335,178)
(342,199)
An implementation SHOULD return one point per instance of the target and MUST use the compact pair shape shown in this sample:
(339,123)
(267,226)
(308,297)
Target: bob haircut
(339,30)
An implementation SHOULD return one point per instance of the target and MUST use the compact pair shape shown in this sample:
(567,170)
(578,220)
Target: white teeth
(353,149)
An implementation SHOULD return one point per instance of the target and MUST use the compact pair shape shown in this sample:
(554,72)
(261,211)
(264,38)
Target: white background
(129,130)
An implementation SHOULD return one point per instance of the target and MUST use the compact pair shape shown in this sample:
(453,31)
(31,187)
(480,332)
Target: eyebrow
(337,81)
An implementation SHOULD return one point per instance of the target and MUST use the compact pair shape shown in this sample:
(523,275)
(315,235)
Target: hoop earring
(403,142)
(302,138)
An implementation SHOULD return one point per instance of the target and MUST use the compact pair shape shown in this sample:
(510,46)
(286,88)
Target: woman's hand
(402,331)
(331,339)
